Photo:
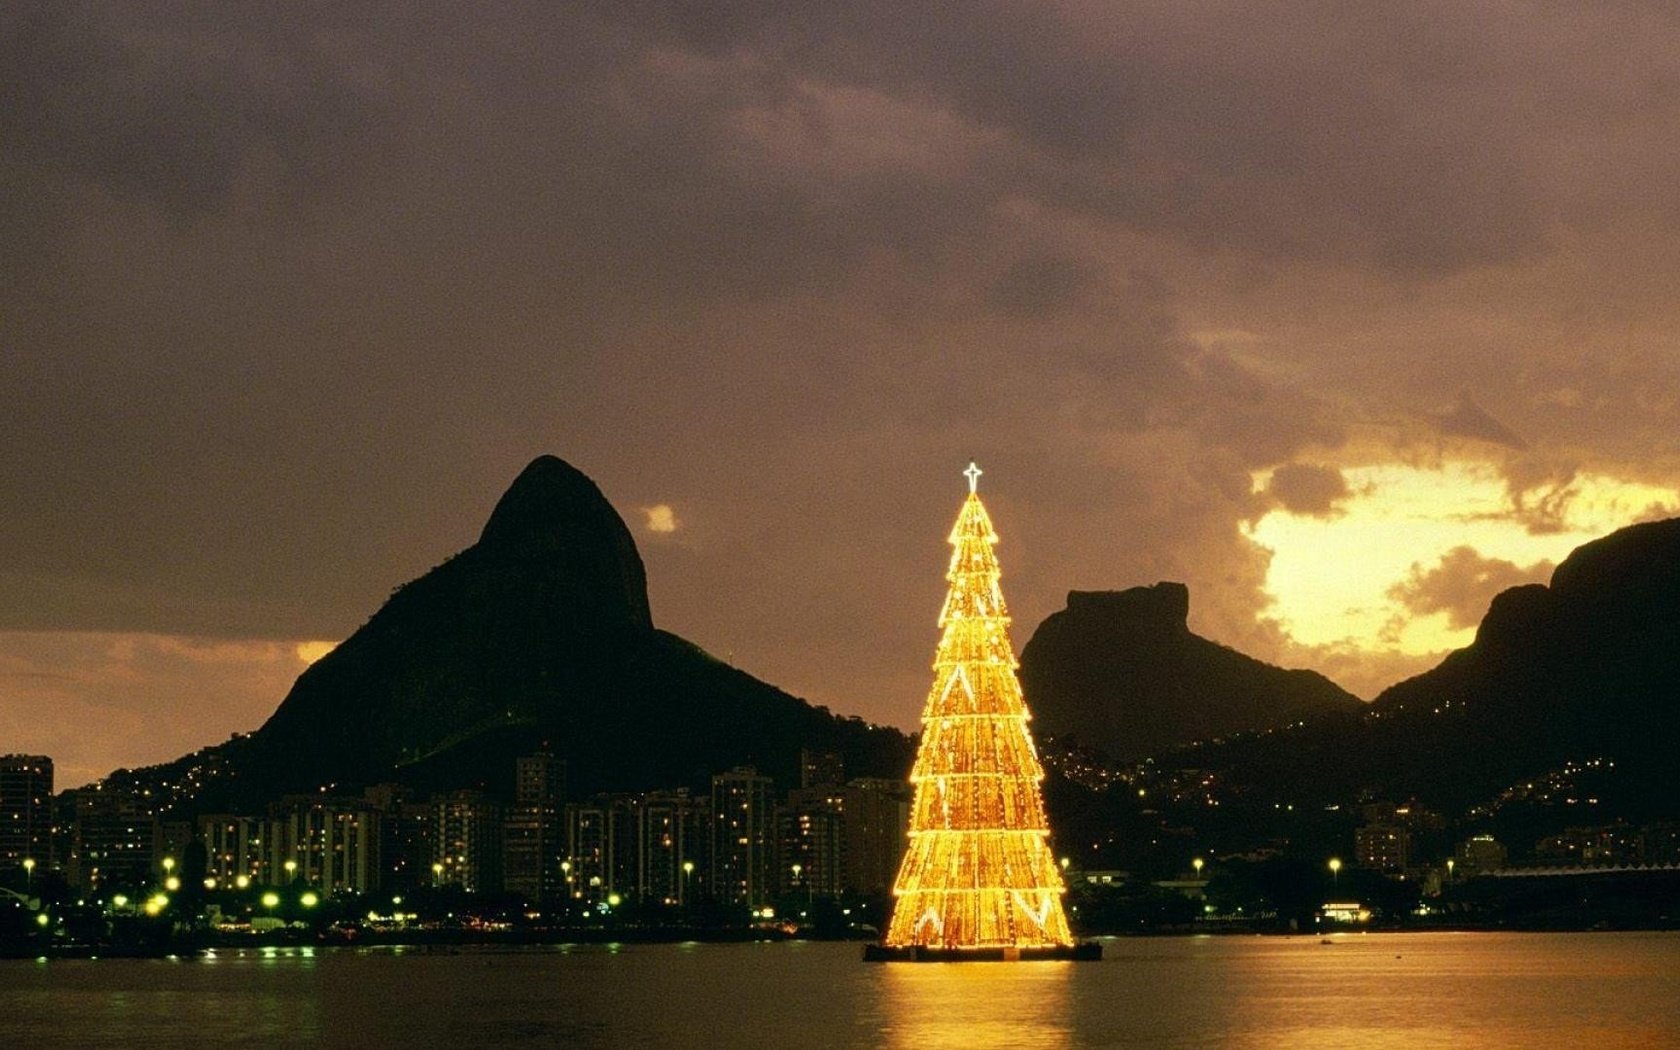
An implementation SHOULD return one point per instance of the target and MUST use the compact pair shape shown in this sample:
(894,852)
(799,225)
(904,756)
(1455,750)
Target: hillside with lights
(1556,724)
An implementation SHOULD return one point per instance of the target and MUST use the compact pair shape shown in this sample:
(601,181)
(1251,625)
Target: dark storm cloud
(1462,585)
(1470,420)
(175,116)
(1307,488)
(1036,285)
(1319,129)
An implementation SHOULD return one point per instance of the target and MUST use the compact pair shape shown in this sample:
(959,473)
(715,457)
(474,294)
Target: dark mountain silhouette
(538,632)
(1120,671)
(1587,667)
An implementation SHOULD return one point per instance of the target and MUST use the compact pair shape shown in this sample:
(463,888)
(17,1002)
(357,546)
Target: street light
(291,870)
(271,900)
(28,870)
(1197,864)
(1335,870)
(688,869)
(437,875)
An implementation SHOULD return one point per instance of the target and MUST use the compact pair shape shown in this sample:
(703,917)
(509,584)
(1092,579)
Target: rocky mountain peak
(552,512)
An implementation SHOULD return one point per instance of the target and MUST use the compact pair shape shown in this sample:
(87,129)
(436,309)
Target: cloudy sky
(1348,315)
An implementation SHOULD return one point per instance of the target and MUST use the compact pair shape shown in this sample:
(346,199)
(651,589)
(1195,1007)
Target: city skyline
(1345,317)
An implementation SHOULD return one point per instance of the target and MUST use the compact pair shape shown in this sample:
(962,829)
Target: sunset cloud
(1462,584)
(660,518)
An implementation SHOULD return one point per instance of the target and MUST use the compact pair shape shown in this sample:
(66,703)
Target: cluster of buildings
(1388,842)
(1612,845)
(743,842)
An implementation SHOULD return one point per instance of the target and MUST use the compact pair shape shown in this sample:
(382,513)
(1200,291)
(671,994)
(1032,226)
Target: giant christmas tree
(979,875)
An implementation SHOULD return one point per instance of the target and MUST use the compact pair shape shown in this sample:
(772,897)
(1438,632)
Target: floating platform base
(1084,951)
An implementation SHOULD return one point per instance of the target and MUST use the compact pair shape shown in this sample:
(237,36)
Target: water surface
(1376,991)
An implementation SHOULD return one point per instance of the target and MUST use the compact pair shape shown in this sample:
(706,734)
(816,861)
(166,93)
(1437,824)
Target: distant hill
(1121,671)
(538,632)
(1587,667)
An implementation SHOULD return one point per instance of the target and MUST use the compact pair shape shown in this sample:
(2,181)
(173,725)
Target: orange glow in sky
(1332,577)
(309,652)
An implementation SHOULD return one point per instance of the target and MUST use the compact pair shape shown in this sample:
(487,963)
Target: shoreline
(446,941)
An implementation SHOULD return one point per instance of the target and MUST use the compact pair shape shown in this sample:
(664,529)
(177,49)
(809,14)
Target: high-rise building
(405,838)
(648,847)
(588,867)
(1480,853)
(877,820)
(235,846)
(1383,847)
(820,769)
(332,842)
(534,838)
(26,824)
(813,841)
(170,841)
(113,839)
(743,837)
(671,831)
(467,841)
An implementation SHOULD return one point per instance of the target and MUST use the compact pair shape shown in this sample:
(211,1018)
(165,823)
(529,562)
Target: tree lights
(978,876)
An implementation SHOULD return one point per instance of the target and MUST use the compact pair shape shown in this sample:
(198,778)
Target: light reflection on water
(1367,992)
(965,1006)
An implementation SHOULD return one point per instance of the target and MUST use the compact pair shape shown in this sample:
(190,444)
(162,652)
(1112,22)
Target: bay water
(1585,991)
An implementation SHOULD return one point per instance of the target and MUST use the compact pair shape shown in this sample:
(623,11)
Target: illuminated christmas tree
(979,874)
